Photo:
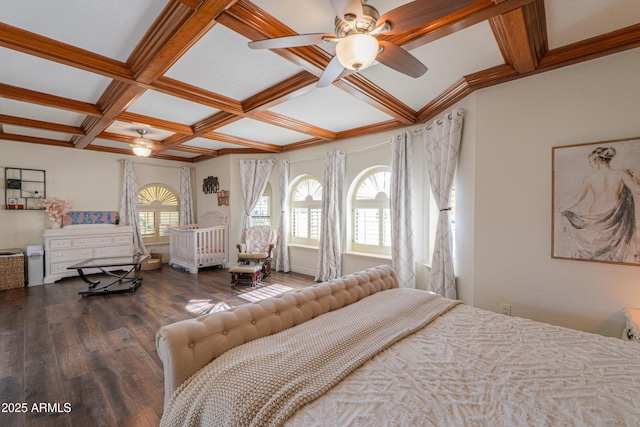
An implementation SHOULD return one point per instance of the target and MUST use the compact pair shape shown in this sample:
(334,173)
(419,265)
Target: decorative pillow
(91,217)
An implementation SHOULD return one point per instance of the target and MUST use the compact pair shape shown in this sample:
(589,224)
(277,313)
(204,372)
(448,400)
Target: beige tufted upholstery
(186,346)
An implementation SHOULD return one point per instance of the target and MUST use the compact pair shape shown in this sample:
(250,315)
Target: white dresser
(69,245)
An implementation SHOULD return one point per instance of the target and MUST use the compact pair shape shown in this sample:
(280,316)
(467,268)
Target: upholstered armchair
(258,247)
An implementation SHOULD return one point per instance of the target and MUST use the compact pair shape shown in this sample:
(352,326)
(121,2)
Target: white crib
(204,244)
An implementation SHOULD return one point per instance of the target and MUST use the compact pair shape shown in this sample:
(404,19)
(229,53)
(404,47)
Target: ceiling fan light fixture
(141,145)
(357,51)
(141,151)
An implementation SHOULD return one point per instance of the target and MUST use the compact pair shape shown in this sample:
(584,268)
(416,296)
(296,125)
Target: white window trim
(306,204)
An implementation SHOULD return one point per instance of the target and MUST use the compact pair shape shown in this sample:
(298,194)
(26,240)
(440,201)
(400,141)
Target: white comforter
(471,367)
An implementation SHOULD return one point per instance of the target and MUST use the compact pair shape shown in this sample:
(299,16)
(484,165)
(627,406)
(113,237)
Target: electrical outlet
(505,309)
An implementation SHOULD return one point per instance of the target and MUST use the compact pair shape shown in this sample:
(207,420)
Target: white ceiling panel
(221,62)
(38,133)
(254,130)
(39,112)
(29,72)
(166,107)
(85,23)
(570,21)
(465,52)
(331,108)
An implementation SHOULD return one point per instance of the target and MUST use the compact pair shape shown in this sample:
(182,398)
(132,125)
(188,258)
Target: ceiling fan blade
(347,7)
(331,73)
(421,12)
(290,41)
(393,56)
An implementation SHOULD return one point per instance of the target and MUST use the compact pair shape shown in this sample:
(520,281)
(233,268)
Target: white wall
(508,190)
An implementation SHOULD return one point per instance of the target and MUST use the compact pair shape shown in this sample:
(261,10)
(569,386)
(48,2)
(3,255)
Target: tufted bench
(186,346)
(251,273)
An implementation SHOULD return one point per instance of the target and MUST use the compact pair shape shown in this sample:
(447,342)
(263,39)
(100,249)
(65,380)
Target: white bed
(303,360)
(200,245)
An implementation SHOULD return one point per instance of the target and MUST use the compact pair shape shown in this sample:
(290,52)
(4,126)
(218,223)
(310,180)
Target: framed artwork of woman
(596,202)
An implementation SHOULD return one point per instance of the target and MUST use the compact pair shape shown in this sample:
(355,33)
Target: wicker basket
(11,269)
(152,263)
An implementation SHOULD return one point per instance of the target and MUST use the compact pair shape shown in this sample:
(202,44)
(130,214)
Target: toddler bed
(361,351)
(204,244)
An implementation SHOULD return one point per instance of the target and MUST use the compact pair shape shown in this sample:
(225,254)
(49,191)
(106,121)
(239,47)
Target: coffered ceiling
(86,74)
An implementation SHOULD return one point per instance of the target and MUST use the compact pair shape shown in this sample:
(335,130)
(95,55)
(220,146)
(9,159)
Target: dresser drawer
(92,241)
(71,254)
(111,251)
(60,268)
(59,243)
(122,238)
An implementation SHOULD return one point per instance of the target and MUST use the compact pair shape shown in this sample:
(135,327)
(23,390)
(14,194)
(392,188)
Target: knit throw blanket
(263,382)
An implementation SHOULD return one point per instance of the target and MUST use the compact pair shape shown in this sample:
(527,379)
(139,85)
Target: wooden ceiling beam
(116,137)
(154,123)
(192,93)
(287,89)
(176,30)
(475,13)
(52,50)
(215,121)
(20,121)
(292,124)
(230,139)
(128,152)
(35,97)
(250,21)
(521,36)
(363,89)
(239,151)
(116,99)
(35,140)
(595,47)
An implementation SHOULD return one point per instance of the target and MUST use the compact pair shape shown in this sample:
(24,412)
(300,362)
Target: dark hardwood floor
(67,360)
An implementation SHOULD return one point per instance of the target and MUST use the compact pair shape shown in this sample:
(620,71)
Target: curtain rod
(159,166)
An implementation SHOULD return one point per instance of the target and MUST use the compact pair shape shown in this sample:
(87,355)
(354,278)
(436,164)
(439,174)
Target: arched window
(159,210)
(371,218)
(306,211)
(261,213)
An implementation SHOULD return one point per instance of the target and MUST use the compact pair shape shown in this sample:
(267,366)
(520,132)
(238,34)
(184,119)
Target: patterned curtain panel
(129,206)
(402,255)
(282,250)
(254,175)
(441,142)
(330,253)
(186,197)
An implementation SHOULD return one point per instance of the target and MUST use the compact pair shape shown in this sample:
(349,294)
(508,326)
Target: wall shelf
(25,188)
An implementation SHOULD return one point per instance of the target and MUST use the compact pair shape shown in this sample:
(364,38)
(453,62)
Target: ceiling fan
(356,26)
(141,146)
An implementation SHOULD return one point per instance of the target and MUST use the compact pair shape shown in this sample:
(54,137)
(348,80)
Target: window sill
(367,255)
(299,245)
(156,243)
